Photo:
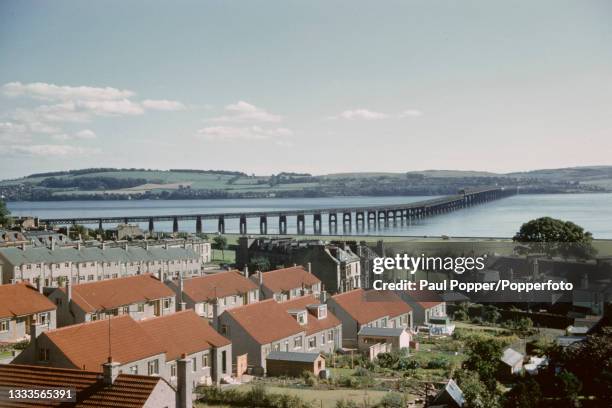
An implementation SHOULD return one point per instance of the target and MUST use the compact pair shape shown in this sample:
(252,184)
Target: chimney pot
(309,267)
(110,371)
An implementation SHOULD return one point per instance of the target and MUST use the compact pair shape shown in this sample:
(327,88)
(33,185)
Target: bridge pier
(221,225)
(243,225)
(316,224)
(198,225)
(100,226)
(282,224)
(175,225)
(301,224)
(263,225)
(151,225)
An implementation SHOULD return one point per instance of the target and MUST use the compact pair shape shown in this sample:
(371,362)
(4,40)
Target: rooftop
(293,356)
(266,321)
(21,299)
(424,298)
(170,331)
(282,280)
(366,306)
(128,391)
(381,331)
(313,324)
(86,345)
(113,293)
(217,285)
(511,357)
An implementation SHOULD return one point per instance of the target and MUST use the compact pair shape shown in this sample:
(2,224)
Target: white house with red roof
(287,283)
(21,306)
(425,305)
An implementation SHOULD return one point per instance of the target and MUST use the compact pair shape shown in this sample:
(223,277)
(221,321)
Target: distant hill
(111,183)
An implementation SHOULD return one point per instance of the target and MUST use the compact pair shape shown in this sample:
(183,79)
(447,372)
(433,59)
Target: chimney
(184,383)
(260,277)
(52,244)
(323,296)
(181,287)
(41,281)
(246,271)
(103,246)
(110,371)
(69,290)
(126,247)
(23,246)
(36,330)
(78,246)
(215,310)
(309,267)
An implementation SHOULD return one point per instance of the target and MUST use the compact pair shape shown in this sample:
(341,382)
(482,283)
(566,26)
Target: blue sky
(317,86)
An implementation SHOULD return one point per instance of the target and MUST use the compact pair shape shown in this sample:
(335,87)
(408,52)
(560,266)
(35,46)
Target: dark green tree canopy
(555,237)
(4,215)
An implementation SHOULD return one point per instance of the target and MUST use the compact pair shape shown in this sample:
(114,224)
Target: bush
(387,360)
(309,378)
(392,400)
(438,362)
(407,364)
(346,404)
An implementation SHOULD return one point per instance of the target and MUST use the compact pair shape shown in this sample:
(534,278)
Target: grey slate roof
(452,390)
(511,357)
(17,256)
(380,331)
(293,356)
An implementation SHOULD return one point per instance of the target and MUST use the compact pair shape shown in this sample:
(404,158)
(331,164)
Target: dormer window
(322,312)
(302,318)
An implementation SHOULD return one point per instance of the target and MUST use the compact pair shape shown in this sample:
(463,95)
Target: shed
(449,396)
(512,362)
(293,364)
(397,338)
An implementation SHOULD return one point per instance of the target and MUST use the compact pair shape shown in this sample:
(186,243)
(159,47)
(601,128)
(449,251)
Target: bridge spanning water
(361,217)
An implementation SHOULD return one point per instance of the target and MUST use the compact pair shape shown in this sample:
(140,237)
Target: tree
(260,263)
(483,358)
(221,243)
(475,391)
(525,394)
(569,387)
(555,237)
(5,220)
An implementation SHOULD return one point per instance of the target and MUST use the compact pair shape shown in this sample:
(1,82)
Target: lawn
(228,256)
(321,398)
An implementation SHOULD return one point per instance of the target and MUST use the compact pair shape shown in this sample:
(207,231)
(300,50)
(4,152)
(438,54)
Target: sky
(305,86)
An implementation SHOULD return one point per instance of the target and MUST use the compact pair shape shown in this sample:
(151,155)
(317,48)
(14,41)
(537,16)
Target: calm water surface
(500,218)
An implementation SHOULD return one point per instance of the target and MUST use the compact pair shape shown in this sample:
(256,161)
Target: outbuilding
(292,364)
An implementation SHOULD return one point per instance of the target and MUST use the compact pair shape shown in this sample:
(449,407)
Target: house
(451,396)
(139,296)
(511,363)
(87,346)
(210,295)
(424,304)
(287,283)
(109,390)
(359,308)
(335,264)
(291,364)
(188,335)
(51,267)
(440,326)
(397,338)
(21,306)
(150,347)
(323,329)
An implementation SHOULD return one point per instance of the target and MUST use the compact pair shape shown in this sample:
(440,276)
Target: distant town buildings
(336,265)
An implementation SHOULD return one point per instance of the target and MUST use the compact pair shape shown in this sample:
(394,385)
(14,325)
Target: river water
(501,218)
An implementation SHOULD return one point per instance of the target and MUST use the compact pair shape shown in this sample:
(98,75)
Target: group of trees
(5,219)
(93,183)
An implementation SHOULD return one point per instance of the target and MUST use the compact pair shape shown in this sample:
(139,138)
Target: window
(330,335)
(58,301)
(94,317)
(194,365)
(383,322)
(4,326)
(153,367)
(322,338)
(115,275)
(225,330)
(43,318)
(301,318)
(43,354)
(173,370)
(134,369)
(126,310)
(312,342)
(297,342)
(205,362)
(141,307)
(167,303)
(276,347)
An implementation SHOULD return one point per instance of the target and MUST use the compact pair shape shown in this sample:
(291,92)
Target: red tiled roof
(183,332)
(313,324)
(128,391)
(266,321)
(222,284)
(113,293)
(21,299)
(366,306)
(425,298)
(86,344)
(285,279)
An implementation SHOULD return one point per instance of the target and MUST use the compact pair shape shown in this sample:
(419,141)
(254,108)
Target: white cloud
(228,133)
(163,105)
(46,150)
(85,134)
(365,114)
(111,107)
(241,112)
(410,113)
(52,92)
(362,114)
